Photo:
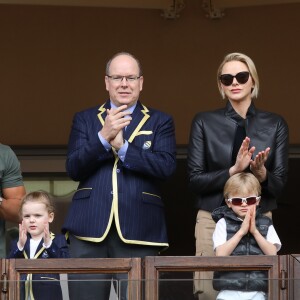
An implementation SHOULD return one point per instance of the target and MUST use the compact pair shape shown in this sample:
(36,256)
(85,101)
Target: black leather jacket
(210,152)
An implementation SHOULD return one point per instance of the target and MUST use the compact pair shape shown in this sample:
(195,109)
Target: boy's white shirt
(220,235)
(241,295)
(33,246)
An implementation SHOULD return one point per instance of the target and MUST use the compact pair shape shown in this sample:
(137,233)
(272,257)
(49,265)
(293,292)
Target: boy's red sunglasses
(238,201)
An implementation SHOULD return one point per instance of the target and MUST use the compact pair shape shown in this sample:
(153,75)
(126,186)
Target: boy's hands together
(248,224)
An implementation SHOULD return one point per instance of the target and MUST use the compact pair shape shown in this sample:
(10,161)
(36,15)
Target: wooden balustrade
(155,265)
(284,271)
(131,266)
(293,279)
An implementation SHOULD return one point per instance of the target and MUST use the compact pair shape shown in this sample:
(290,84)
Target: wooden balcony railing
(155,265)
(283,271)
(131,266)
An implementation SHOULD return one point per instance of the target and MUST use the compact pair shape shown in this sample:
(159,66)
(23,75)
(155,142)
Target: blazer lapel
(39,249)
(139,117)
(102,112)
(26,250)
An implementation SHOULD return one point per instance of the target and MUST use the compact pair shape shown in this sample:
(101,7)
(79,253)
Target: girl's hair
(249,64)
(242,182)
(41,197)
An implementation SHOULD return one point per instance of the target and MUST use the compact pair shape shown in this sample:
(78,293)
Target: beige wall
(53,60)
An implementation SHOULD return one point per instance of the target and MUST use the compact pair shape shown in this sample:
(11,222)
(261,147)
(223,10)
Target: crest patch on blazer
(147,145)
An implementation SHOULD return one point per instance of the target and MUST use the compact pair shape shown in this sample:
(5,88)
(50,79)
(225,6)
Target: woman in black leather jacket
(230,140)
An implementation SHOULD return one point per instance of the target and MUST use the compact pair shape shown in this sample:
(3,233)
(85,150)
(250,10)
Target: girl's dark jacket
(242,280)
(41,286)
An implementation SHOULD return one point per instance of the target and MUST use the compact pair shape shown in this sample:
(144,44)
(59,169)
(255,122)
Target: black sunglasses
(241,77)
(238,201)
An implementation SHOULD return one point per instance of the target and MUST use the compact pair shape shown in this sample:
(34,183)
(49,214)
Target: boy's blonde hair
(38,196)
(242,182)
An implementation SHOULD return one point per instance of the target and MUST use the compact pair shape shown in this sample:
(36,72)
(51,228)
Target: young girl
(37,242)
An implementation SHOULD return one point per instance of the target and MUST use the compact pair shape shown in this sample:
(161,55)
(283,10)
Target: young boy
(242,230)
(37,242)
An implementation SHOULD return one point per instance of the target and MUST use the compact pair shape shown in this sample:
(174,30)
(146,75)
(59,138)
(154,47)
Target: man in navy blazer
(120,152)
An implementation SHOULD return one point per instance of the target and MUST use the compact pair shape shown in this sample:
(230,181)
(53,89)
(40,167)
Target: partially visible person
(231,140)
(37,242)
(121,152)
(11,192)
(242,229)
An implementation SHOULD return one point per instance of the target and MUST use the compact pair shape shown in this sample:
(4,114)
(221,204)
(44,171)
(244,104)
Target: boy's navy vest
(242,280)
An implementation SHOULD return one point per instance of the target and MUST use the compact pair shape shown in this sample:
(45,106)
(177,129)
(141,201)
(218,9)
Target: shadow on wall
(61,210)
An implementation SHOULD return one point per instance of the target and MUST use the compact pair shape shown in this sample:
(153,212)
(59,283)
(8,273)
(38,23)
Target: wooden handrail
(131,266)
(283,271)
(156,264)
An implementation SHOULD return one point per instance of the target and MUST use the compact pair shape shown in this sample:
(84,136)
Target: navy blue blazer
(127,192)
(41,286)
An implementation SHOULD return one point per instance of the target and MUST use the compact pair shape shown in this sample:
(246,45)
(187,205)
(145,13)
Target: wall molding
(52,159)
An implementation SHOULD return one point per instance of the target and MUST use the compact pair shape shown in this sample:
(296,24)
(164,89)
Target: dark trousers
(97,286)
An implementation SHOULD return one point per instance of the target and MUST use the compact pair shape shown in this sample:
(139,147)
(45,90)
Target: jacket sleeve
(15,252)
(59,248)
(201,179)
(85,151)
(277,171)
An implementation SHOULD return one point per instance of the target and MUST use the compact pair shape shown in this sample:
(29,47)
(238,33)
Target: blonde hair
(242,182)
(40,197)
(236,56)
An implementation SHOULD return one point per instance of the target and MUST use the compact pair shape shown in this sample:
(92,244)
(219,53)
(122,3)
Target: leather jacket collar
(231,113)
